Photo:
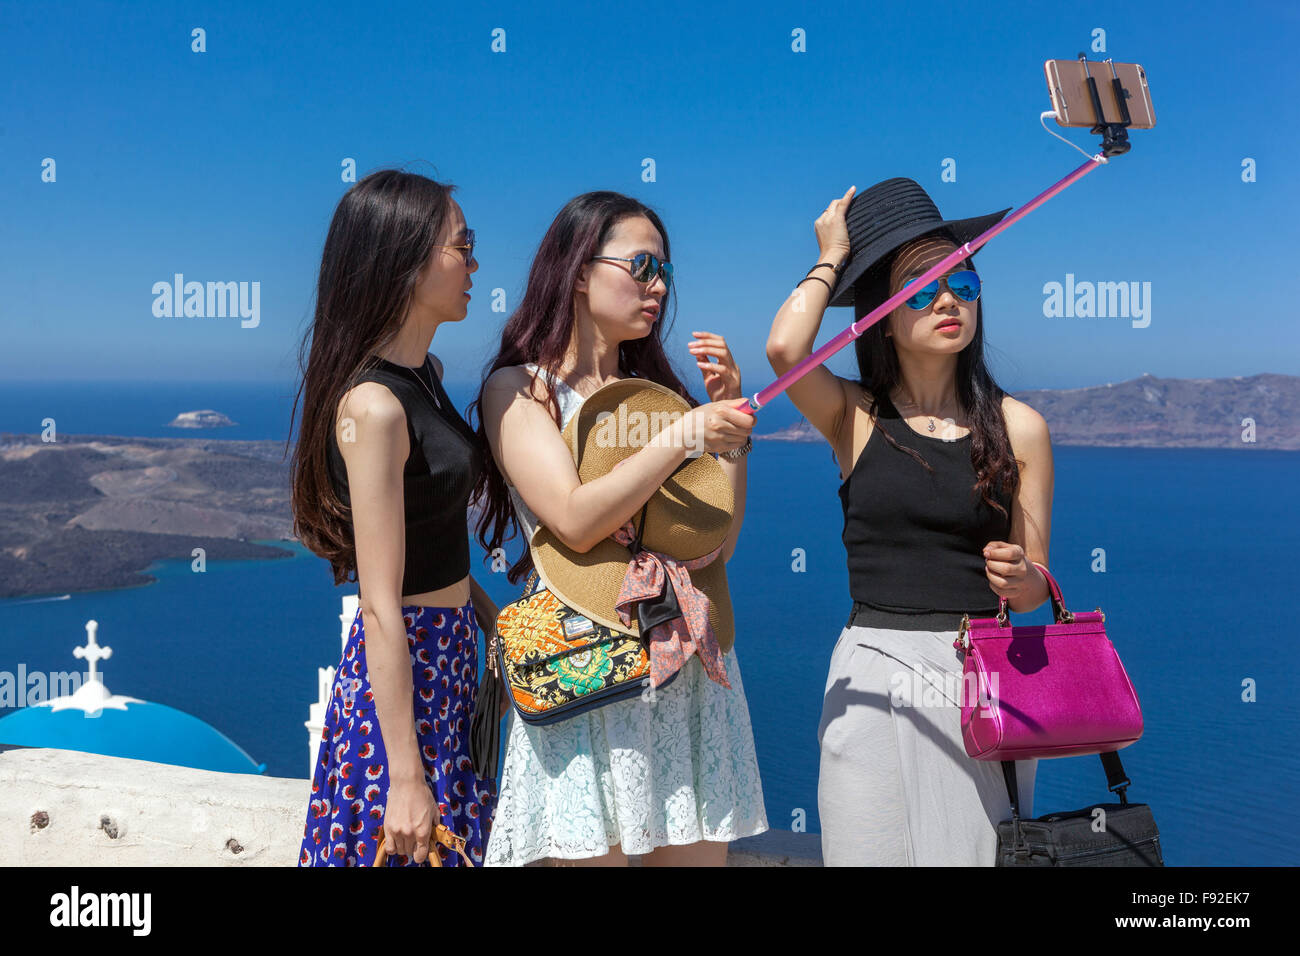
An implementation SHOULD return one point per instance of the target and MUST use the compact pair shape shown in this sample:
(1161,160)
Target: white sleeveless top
(570,401)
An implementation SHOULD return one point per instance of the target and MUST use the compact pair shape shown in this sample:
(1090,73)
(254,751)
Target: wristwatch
(738,453)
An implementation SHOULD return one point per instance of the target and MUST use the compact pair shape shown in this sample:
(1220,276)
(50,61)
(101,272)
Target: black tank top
(915,538)
(437,479)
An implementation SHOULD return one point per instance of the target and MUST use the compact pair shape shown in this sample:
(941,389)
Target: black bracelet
(829,265)
(815,279)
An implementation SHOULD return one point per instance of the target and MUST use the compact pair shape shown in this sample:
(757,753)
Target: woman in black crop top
(382,476)
(947,493)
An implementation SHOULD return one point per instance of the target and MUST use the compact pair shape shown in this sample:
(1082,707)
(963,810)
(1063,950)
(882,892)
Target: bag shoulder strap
(635,546)
(1116,780)
(532,585)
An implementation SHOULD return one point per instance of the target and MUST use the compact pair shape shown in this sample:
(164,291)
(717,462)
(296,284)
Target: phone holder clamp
(1114,136)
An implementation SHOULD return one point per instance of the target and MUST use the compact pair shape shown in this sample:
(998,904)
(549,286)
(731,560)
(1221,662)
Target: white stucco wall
(63,808)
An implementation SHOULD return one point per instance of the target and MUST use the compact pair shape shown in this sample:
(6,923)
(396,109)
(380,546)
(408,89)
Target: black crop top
(437,479)
(915,538)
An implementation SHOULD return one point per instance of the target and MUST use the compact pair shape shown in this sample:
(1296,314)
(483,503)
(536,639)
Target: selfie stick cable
(1114,143)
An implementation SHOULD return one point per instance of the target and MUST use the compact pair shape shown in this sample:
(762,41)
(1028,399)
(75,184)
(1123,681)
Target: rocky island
(205,418)
(1258,411)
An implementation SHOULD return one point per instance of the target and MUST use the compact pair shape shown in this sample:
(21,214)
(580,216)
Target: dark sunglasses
(965,285)
(645,267)
(467,246)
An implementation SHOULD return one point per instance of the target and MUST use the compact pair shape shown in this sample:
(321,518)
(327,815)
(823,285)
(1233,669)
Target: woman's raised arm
(820,395)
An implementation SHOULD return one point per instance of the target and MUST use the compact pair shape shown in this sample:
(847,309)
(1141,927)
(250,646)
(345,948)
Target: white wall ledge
(65,808)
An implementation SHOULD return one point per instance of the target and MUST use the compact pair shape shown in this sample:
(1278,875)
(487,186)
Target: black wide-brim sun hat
(885,216)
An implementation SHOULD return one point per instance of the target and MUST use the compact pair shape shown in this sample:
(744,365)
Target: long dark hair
(382,233)
(981,398)
(540,329)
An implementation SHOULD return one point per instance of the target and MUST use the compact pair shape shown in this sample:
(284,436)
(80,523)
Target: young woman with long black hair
(947,499)
(382,475)
(676,780)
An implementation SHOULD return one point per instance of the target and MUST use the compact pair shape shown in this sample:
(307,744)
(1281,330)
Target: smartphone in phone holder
(1078,100)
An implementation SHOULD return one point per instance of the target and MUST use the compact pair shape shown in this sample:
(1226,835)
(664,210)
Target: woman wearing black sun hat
(947,496)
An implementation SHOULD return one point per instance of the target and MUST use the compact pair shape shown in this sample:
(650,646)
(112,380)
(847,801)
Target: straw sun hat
(687,517)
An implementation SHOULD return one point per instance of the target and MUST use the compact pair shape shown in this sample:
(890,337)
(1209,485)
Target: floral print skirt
(671,768)
(350,783)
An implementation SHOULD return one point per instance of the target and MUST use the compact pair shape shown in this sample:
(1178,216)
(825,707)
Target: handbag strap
(530,584)
(441,833)
(635,546)
(1053,592)
(1116,780)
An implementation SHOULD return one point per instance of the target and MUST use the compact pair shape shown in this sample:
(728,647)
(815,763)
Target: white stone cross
(92,652)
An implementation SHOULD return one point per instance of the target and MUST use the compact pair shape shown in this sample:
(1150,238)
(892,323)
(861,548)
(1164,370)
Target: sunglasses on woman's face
(965,285)
(645,267)
(466,247)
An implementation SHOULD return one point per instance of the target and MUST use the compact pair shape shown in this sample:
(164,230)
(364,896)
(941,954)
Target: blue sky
(225,166)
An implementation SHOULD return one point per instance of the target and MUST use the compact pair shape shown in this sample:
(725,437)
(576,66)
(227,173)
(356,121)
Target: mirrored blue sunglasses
(965,285)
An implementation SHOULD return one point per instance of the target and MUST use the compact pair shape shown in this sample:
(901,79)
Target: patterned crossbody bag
(556,662)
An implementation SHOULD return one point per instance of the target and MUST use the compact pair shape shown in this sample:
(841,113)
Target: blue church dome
(92,720)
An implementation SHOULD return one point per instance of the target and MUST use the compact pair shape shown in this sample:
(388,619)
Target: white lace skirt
(636,774)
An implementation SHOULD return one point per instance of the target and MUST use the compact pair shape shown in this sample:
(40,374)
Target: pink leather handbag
(1055,690)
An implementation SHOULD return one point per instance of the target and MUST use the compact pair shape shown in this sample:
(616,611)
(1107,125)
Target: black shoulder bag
(1124,834)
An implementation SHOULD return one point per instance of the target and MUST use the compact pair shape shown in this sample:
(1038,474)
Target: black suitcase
(1130,837)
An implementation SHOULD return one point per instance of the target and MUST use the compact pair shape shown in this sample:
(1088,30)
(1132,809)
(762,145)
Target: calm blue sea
(1199,548)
